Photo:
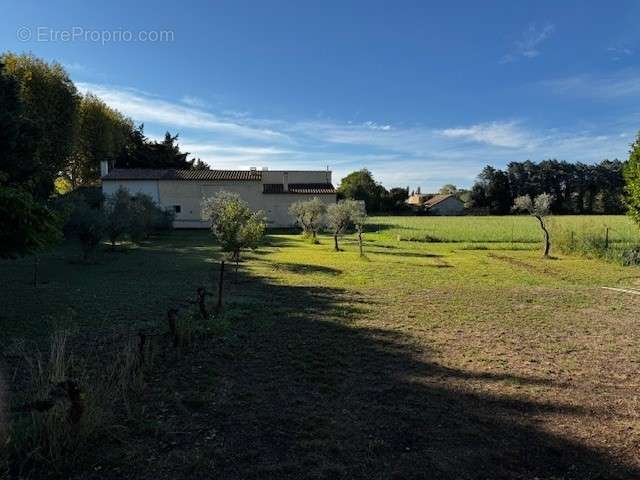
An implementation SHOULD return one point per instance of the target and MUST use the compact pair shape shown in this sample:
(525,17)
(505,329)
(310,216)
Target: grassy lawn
(470,358)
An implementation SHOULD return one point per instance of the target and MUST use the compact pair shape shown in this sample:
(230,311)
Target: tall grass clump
(68,403)
(597,241)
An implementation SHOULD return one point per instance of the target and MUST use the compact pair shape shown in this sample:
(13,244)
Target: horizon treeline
(577,188)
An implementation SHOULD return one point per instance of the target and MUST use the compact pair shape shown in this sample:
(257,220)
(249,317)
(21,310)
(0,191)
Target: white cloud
(625,83)
(75,67)
(375,126)
(498,134)
(194,101)
(146,108)
(528,45)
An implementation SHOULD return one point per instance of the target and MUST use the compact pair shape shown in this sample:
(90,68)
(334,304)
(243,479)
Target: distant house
(439,204)
(182,190)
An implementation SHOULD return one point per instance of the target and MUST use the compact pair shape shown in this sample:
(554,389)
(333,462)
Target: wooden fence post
(606,237)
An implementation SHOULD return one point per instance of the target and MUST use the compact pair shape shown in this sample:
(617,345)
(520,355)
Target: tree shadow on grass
(312,393)
(405,253)
(302,268)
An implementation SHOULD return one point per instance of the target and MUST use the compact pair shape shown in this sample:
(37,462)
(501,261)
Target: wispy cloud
(75,67)
(500,134)
(619,52)
(376,126)
(528,45)
(194,101)
(619,84)
(144,107)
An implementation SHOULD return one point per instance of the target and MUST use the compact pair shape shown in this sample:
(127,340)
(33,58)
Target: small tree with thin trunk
(118,213)
(340,215)
(309,216)
(540,208)
(359,219)
(233,224)
(87,224)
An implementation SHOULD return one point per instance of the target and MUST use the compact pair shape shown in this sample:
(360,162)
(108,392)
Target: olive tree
(342,214)
(233,223)
(540,208)
(359,219)
(309,216)
(118,213)
(87,224)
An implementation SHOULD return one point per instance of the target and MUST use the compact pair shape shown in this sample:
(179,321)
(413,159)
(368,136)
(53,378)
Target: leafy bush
(233,224)
(147,217)
(309,215)
(25,225)
(118,214)
(88,225)
(631,256)
(163,220)
(342,214)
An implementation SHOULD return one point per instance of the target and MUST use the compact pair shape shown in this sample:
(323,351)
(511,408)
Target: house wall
(450,206)
(148,187)
(276,206)
(189,194)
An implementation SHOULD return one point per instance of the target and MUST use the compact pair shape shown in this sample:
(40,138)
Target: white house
(444,205)
(272,191)
(439,204)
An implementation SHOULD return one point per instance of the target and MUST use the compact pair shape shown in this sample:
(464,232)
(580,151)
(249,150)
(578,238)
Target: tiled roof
(304,188)
(437,199)
(171,174)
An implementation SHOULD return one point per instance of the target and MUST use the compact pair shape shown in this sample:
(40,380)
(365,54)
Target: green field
(452,350)
(504,229)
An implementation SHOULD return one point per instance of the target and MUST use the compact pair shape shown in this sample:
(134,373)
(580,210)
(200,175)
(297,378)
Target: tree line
(576,188)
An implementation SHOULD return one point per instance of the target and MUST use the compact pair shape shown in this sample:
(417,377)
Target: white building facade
(182,191)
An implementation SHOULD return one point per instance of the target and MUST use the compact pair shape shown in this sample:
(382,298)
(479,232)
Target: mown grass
(471,358)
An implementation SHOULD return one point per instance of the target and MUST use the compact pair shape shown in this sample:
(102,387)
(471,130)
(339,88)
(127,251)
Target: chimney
(104,168)
(265,169)
(285,181)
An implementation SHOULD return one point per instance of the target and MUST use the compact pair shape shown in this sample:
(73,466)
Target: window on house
(177,209)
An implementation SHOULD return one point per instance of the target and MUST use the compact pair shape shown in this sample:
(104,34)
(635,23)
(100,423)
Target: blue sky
(420,94)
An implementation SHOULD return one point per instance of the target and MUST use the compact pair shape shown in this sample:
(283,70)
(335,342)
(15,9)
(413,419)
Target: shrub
(631,256)
(25,226)
(309,216)
(86,224)
(342,214)
(163,220)
(233,224)
(147,217)
(118,214)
